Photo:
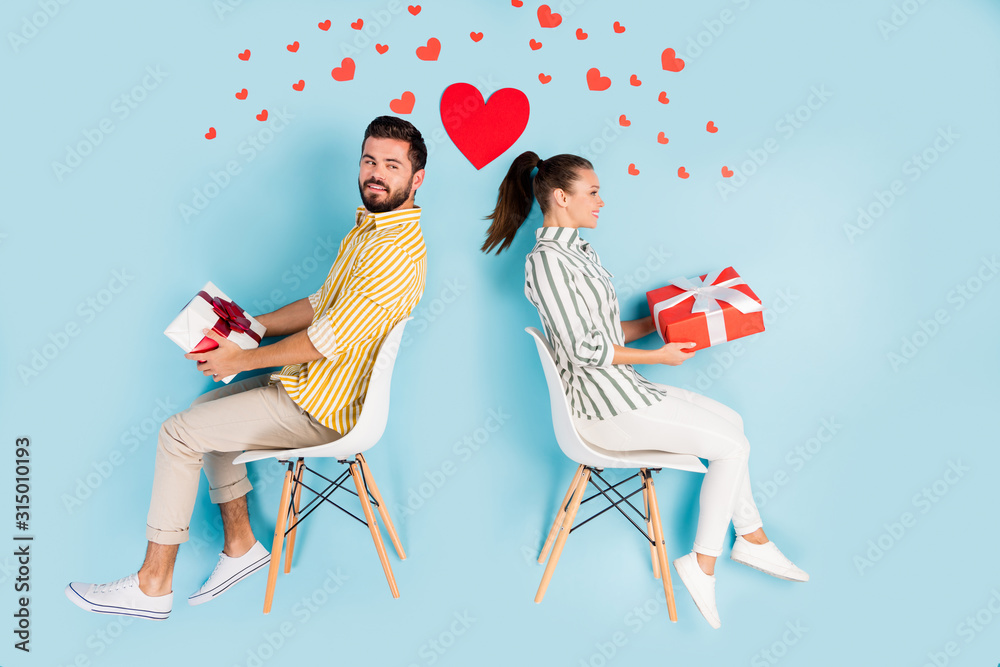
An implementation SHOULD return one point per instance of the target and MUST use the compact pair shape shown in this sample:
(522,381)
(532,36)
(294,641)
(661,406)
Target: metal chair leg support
(279,538)
(296,495)
(366,506)
(661,548)
(559,517)
(382,509)
(568,520)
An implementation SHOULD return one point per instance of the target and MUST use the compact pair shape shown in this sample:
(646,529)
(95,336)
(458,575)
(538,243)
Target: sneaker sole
(208,596)
(86,605)
(770,572)
(683,572)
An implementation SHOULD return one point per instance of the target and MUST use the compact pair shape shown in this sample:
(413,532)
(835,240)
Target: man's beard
(393,199)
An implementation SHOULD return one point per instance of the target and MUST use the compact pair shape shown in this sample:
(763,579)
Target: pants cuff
(224,494)
(166,537)
(714,553)
(746,530)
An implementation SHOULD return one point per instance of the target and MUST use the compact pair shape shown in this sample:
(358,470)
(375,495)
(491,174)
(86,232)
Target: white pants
(688,423)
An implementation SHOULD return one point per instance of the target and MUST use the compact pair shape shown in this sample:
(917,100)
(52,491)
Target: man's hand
(674,354)
(221,362)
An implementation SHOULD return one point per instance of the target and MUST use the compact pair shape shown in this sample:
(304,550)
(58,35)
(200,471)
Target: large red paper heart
(483,130)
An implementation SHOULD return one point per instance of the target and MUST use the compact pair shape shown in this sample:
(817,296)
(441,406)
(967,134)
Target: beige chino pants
(219,425)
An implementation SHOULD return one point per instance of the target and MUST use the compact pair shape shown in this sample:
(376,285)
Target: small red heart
(632,170)
(357,25)
(476,36)
(324,25)
(535,45)
(404,104)
(517,3)
(262,116)
(210,134)
(293,47)
(623,121)
(345,72)
(242,95)
(299,86)
(414,9)
(670,61)
(663,97)
(662,138)
(634,80)
(544,78)
(711,127)
(431,51)
(597,82)
(727,172)
(580,34)
(245,55)
(682,172)
(619,28)
(547,18)
(381,48)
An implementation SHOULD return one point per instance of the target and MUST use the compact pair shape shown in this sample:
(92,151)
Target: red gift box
(709,310)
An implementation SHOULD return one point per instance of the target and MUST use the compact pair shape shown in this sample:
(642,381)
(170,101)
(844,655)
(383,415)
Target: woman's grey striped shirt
(576,302)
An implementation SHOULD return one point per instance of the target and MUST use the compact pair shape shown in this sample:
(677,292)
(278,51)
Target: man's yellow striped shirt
(375,282)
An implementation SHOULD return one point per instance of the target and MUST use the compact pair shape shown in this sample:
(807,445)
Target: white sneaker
(701,586)
(230,571)
(766,558)
(121,597)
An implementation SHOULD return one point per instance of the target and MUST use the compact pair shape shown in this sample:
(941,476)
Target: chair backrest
(562,419)
(375,414)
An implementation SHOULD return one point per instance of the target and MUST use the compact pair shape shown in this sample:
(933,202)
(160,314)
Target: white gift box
(212,309)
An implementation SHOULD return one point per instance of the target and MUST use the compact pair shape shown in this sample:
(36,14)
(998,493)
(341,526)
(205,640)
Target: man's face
(385,178)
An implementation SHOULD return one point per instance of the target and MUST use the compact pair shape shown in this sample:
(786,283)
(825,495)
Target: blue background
(840,304)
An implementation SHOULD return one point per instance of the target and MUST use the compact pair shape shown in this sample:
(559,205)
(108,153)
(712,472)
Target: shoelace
(124,582)
(217,566)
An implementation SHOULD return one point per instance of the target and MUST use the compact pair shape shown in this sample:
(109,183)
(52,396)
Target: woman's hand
(674,354)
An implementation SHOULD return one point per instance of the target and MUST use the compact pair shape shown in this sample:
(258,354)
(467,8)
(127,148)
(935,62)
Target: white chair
(347,450)
(591,461)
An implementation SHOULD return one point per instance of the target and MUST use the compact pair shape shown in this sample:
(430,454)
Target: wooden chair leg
(568,520)
(296,495)
(382,509)
(373,526)
(279,539)
(649,526)
(559,517)
(661,548)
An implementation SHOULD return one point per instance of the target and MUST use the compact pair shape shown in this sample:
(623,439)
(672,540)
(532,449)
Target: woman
(613,406)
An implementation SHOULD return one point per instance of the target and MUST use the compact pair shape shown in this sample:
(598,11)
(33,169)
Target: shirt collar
(565,236)
(365,218)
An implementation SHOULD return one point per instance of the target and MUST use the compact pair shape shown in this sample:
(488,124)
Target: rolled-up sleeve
(552,286)
(367,305)
(314,300)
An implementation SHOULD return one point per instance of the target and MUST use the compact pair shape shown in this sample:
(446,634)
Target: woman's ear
(559,198)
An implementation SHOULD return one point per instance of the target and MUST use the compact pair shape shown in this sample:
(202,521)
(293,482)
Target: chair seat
(647,458)
(654,459)
(342,449)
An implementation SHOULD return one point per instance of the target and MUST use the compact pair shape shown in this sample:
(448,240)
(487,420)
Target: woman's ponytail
(514,199)
(519,188)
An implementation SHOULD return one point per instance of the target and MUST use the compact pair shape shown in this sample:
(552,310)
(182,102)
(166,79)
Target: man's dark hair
(391,127)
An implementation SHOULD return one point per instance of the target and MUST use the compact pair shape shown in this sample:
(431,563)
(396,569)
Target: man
(327,358)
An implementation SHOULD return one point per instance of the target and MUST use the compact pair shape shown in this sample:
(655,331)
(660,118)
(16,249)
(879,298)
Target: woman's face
(583,204)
